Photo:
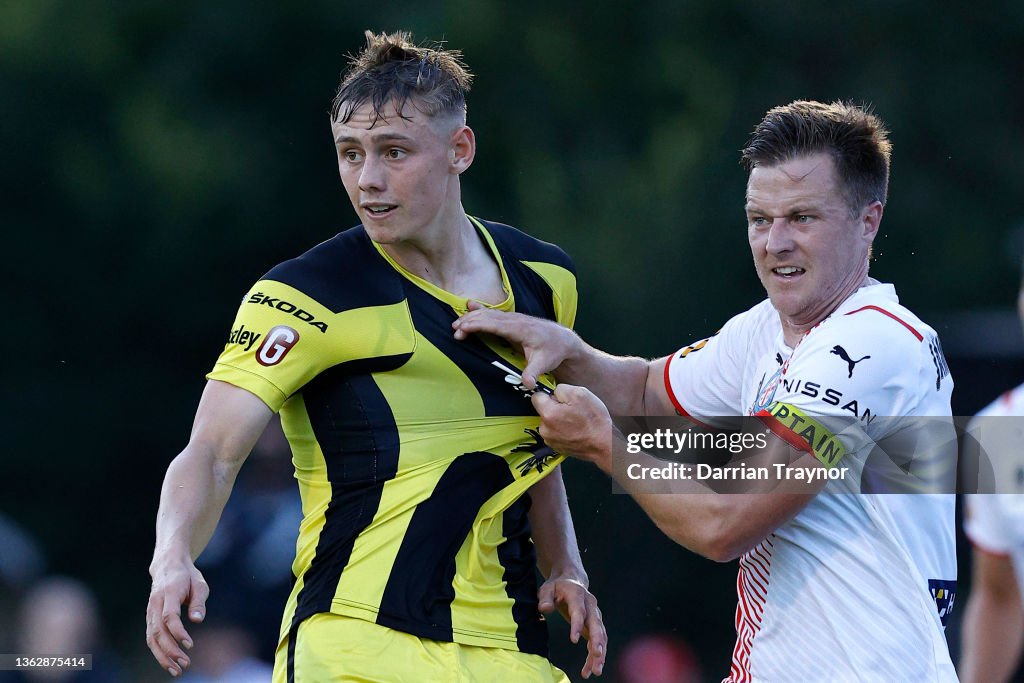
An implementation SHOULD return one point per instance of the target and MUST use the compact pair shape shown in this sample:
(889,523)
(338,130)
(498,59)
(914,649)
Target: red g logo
(278,342)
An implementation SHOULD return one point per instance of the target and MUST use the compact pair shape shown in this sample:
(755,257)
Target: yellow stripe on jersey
(563,284)
(411,452)
(325,337)
(806,433)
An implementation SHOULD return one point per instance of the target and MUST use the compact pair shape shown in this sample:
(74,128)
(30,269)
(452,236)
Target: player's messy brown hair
(392,71)
(856,139)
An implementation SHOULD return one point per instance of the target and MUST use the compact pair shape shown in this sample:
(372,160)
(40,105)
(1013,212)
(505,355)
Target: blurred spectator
(59,616)
(21,560)
(225,653)
(659,658)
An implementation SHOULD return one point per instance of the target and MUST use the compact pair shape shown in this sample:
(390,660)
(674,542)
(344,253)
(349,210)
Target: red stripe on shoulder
(894,317)
(672,396)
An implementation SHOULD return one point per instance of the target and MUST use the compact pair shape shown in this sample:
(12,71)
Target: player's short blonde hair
(392,71)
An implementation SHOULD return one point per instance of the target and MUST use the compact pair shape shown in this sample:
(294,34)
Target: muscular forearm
(993,637)
(619,381)
(719,526)
(558,553)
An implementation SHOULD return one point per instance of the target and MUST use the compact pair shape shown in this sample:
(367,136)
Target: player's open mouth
(788,271)
(379,210)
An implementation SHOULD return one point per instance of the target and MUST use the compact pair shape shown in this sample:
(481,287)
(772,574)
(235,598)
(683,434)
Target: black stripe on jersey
(293,633)
(433,319)
(419,592)
(533,294)
(522,247)
(518,558)
(343,273)
(356,430)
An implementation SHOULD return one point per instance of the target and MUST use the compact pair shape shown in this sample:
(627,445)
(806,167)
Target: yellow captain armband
(803,432)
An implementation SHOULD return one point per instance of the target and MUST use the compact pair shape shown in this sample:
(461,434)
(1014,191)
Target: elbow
(712,538)
(721,544)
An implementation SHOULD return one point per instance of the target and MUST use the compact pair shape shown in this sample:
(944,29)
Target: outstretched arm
(618,380)
(718,526)
(196,487)
(567,585)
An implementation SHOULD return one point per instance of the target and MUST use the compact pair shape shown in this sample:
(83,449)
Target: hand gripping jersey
(994,522)
(856,587)
(411,451)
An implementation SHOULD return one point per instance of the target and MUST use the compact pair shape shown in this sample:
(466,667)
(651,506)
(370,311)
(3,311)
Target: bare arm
(721,527)
(553,534)
(196,487)
(618,380)
(718,526)
(567,584)
(993,627)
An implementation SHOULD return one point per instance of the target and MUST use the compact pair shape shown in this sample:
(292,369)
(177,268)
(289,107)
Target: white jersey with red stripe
(994,522)
(855,587)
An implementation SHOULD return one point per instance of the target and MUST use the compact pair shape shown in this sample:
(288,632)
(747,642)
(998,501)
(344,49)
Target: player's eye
(759,221)
(352,156)
(803,219)
(395,153)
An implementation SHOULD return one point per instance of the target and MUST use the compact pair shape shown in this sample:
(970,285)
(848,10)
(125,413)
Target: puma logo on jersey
(841,352)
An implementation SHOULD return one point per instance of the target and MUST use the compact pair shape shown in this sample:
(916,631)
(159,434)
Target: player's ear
(462,149)
(871,218)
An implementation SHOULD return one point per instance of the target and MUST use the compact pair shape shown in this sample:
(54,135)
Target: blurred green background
(158,157)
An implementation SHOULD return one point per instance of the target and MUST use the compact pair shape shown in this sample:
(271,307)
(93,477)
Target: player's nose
(780,237)
(372,175)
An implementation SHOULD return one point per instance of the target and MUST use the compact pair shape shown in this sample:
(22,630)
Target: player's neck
(454,257)
(794,328)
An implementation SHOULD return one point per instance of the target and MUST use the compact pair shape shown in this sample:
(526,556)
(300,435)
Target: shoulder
(1009,403)
(520,246)
(342,273)
(886,320)
(758,324)
(762,317)
(741,337)
(740,340)
(879,352)
(875,321)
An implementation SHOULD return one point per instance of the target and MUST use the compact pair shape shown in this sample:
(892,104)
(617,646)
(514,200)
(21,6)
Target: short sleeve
(984,524)
(282,338)
(704,379)
(279,341)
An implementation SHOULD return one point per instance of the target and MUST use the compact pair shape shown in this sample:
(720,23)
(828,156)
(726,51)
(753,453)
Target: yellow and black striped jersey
(411,451)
